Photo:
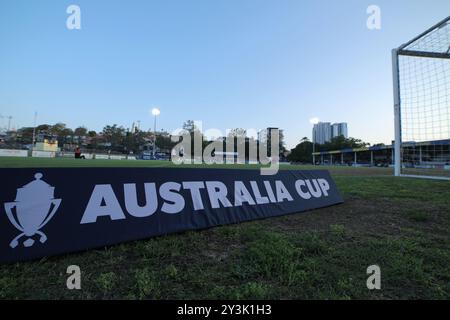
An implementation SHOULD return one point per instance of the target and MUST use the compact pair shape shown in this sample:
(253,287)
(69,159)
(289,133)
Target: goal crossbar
(437,26)
(424,54)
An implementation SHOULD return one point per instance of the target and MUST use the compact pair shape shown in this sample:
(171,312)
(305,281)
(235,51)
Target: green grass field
(13,162)
(401,224)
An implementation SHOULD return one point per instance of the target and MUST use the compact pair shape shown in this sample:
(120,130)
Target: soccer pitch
(400,224)
(17,162)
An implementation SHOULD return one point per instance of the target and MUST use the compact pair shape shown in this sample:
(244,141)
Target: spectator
(78,153)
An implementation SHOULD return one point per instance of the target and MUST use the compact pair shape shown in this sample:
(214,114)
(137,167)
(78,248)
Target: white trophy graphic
(34,206)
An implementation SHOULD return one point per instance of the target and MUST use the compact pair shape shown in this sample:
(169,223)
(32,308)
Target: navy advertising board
(57,210)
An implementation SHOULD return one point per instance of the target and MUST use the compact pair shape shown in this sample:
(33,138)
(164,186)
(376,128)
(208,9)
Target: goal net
(421,72)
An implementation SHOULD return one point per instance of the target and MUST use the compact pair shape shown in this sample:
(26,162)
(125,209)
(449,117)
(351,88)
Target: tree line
(113,138)
(303,151)
(116,138)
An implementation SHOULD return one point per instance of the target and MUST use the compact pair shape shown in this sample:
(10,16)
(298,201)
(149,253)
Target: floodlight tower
(155,112)
(9,122)
(314,121)
(34,131)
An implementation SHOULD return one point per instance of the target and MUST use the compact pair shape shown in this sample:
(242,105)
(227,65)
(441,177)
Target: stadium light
(156,112)
(314,120)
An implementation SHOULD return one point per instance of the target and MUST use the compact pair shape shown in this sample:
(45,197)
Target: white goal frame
(414,48)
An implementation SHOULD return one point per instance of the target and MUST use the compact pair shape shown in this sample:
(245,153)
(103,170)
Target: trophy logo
(32,209)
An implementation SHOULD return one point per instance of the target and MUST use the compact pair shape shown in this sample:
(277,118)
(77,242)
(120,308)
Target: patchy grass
(337,230)
(147,284)
(400,224)
(106,282)
(417,215)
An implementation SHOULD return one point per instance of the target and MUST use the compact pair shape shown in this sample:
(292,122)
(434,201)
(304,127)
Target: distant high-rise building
(322,132)
(325,131)
(339,129)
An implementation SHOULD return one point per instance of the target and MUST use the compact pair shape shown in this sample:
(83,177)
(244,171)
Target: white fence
(43,154)
(102,156)
(112,156)
(117,157)
(13,153)
(71,155)
(68,155)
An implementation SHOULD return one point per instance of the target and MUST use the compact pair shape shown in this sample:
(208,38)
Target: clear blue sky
(229,63)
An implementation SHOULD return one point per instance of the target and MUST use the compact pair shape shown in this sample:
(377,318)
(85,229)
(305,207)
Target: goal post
(421,88)
(397,114)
